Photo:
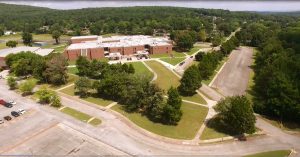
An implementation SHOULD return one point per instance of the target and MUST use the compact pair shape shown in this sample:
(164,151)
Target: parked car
(2,102)
(1,121)
(8,118)
(8,105)
(181,63)
(21,111)
(12,102)
(15,114)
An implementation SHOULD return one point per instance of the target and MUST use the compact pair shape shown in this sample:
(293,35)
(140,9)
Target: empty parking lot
(234,77)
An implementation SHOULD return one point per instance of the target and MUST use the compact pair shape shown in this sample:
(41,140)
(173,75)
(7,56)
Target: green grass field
(92,99)
(165,55)
(210,133)
(166,79)
(72,70)
(76,114)
(141,69)
(192,118)
(172,61)
(277,153)
(193,50)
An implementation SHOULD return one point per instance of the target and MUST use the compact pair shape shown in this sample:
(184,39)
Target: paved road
(233,79)
(118,134)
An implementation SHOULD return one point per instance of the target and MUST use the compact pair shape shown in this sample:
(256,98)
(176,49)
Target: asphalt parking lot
(62,140)
(234,77)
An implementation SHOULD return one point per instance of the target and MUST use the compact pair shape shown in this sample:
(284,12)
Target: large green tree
(237,113)
(27,38)
(172,110)
(56,70)
(83,86)
(190,81)
(11,43)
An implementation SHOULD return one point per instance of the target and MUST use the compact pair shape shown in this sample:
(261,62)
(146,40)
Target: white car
(1,121)
(21,111)
(12,102)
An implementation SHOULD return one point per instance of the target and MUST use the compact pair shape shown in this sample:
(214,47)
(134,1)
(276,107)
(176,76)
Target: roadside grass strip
(80,116)
(92,99)
(193,50)
(277,153)
(76,114)
(173,61)
(95,122)
(166,79)
(192,118)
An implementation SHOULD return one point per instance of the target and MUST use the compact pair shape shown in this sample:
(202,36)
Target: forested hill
(127,20)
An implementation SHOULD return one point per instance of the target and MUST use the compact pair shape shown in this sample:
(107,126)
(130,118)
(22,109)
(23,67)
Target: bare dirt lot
(233,79)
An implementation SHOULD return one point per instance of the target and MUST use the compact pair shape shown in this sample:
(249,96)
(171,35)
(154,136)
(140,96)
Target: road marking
(90,119)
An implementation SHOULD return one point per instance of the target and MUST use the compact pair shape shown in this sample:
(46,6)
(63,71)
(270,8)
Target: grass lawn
(73,70)
(166,79)
(92,99)
(36,37)
(207,82)
(72,62)
(141,69)
(76,114)
(210,133)
(192,118)
(277,153)
(173,61)
(193,50)
(174,53)
(71,79)
(95,122)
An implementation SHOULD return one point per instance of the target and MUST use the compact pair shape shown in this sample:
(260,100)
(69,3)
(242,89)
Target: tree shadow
(217,124)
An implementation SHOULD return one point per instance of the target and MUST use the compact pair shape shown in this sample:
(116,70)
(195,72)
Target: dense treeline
(277,69)
(50,69)
(126,20)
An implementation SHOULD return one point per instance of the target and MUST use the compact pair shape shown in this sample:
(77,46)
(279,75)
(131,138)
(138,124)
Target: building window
(83,52)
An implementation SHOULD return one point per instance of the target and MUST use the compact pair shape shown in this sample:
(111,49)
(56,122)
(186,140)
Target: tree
(56,35)
(44,95)
(216,40)
(202,35)
(190,81)
(12,83)
(11,43)
(27,86)
(171,111)
(83,85)
(237,113)
(184,41)
(55,101)
(27,38)
(56,70)
(1,31)
(83,66)
(131,69)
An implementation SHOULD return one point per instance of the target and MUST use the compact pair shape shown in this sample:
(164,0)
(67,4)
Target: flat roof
(122,41)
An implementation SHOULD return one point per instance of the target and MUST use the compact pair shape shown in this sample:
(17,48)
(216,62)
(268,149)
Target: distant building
(96,47)
(9,33)
(37,50)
